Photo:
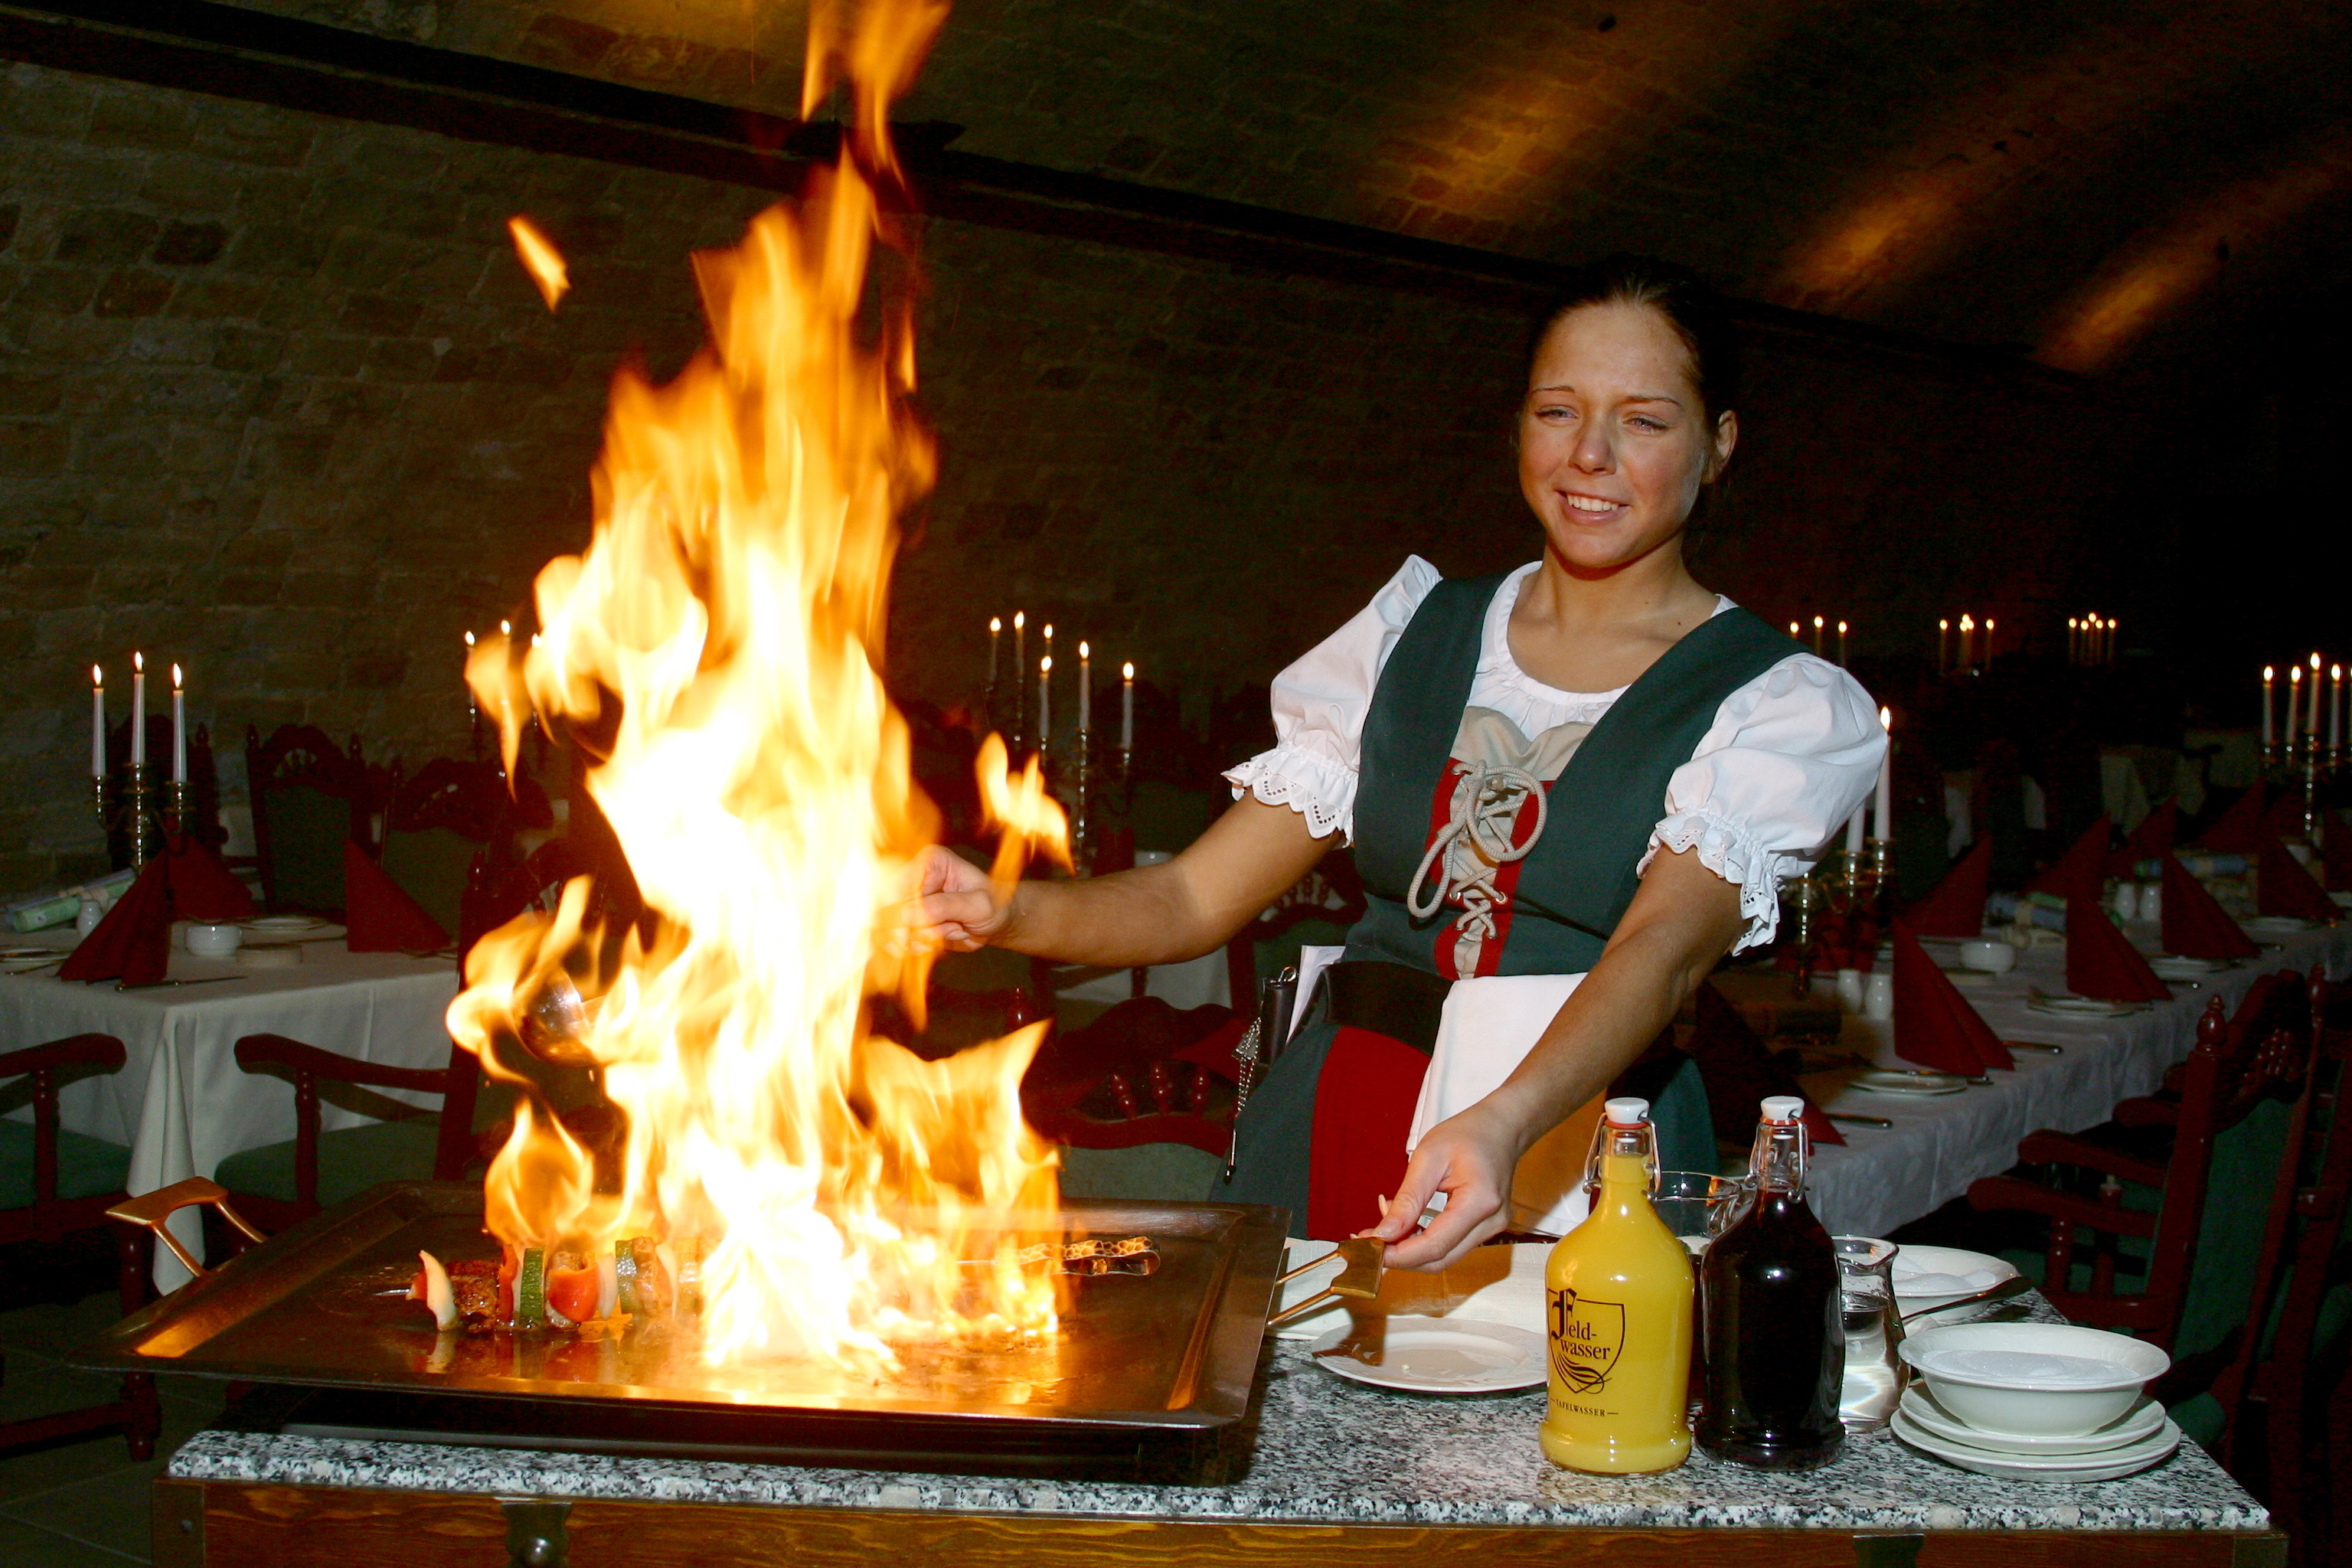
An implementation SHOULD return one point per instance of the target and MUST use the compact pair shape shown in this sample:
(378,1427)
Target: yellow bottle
(1618,1290)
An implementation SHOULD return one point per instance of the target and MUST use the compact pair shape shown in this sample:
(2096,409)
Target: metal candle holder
(137,823)
(1082,824)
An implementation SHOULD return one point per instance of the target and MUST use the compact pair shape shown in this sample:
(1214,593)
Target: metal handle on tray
(151,1209)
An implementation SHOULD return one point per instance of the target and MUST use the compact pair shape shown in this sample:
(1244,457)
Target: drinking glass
(1696,1206)
(1875,1374)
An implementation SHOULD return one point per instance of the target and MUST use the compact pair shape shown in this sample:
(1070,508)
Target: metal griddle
(1144,1370)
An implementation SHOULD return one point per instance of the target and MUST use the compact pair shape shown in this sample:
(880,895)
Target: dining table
(1935,1146)
(181,1103)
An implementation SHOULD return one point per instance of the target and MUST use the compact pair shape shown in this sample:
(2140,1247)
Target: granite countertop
(1324,1451)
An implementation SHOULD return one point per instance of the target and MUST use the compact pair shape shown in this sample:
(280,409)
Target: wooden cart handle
(151,1209)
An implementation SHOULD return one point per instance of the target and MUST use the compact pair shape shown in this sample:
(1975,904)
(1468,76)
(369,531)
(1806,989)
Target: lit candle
(1127,708)
(1967,632)
(2336,708)
(1019,663)
(1854,837)
(1988,642)
(995,647)
(2074,651)
(1943,656)
(1046,647)
(2315,700)
(1045,703)
(2111,623)
(97,723)
(2270,676)
(1817,634)
(1795,632)
(2294,701)
(137,710)
(1840,642)
(1886,814)
(179,729)
(1086,695)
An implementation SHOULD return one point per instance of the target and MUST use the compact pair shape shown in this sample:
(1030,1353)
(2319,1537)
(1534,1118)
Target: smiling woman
(1571,789)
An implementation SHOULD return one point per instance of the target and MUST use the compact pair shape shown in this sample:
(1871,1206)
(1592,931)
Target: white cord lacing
(1484,805)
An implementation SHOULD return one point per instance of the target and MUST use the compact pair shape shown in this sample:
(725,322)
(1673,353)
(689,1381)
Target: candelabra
(1082,822)
(1805,899)
(135,825)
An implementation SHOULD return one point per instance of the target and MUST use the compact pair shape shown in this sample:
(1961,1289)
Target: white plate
(2106,1466)
(2133,1427)
(2277,924)
(1440,1355)
(1896,1081)
(284,925)
(2083,1007)
(2171,966)
(1916,1259)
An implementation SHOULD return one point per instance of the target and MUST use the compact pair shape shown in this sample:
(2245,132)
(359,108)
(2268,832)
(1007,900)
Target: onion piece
(437,1294)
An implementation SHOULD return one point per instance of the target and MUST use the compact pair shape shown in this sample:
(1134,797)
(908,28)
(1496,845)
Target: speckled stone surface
(1323,1451)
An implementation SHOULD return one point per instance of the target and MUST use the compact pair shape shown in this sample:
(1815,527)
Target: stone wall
(277,403)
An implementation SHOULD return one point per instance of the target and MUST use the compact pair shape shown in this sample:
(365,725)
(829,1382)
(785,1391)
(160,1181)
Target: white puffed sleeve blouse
(1790,757)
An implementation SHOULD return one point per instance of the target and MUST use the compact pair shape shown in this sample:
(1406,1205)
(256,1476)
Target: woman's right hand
(954,904)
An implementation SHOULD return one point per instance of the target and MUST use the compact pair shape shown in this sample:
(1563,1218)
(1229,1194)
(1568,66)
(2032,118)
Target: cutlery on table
(2035,1046)
(2016,1285)
(159,985)
(1858,1119)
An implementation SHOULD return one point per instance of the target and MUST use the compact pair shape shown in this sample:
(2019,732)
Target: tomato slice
(572,1292)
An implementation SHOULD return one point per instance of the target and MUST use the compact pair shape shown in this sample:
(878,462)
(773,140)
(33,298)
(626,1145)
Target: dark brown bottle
(1771,1317)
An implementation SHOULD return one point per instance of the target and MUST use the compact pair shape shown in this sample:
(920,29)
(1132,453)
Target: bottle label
(1587,1337)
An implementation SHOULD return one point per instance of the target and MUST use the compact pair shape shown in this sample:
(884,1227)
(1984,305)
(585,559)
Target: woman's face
(1613,444)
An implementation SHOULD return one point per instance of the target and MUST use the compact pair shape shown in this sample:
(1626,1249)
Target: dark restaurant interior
(1191,321)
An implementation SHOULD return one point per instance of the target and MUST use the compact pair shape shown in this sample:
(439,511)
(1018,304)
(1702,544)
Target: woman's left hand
(1470,1159)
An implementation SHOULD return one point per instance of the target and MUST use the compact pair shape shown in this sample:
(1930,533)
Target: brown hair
(1699,316)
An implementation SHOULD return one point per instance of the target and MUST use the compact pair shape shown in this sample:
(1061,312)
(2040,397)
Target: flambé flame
(716,645)
(541,259)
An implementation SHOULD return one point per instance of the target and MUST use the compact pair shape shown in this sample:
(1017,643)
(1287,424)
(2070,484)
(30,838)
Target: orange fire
(723,628)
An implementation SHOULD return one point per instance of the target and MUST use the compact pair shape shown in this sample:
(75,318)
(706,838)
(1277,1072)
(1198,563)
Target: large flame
(717,642)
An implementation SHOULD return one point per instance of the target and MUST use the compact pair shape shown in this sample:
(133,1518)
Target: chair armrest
(2046,1148)
(99,1051)
(2008,1193)
(255,1051)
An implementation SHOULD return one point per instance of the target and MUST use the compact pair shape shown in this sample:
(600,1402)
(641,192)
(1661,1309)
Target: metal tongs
(1363,1259)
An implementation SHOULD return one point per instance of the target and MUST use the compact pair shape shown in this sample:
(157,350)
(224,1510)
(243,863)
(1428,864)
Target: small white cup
(2151,900)
(1988,954)
(1849,989)
(2127,904)
(215,941)
(1878,996)
(86,918)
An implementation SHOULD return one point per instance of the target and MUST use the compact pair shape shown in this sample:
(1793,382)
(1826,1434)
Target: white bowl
(1990,954)
(1912,1262)
(219,940)
(2043,1380)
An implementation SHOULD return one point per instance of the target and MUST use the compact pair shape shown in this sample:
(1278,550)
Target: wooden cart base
(237,1525)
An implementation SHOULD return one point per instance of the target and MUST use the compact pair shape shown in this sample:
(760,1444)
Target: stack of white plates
(2082,1008)
(2172,966)
(2044,1402)
(1896,1081)
(2141,1437)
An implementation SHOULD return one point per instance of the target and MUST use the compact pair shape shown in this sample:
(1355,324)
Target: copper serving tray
(1139,1359)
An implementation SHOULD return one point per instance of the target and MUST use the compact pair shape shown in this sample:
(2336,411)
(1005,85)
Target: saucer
(2134,1426)
(2102,1467)
(1892,1080)
(2082,1008)
(2172,966)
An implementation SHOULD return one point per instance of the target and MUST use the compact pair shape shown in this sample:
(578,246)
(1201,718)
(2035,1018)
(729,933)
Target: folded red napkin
(2152,839)
(2082,869)
(2339,862)
(2283,887)
(378,916)
(1956,905)
(2195,923)
(2101,962)
(1738,1072)
(202,887)
(1934,1025)
(2239,830)
(133,943)
(2285,814)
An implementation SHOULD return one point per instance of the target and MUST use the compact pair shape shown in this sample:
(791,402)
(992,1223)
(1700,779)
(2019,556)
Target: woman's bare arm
(1683,919)
(1158,914)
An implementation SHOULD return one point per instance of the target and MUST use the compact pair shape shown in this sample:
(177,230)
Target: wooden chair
(309,796)
(2176,1218)
(56,1182)
(439,819)
(1330,894)
(1142,1100)
(2278,1383)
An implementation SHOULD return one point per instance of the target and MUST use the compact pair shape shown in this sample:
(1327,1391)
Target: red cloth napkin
(2195,924)
(2082,869)
(2151,841)
(2101,962)
(1738,1072)
(133,943)
(201,889)
(2285,814)
(1934,1025)
(2338,851)
(1955,906)
(2284,888)
(379,917)
(2239,830)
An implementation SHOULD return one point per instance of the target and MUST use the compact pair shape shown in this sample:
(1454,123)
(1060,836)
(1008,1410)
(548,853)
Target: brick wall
(277,403)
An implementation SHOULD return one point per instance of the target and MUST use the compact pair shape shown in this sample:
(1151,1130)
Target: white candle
(1127,708)
(1853,836)
(97,723)
(2071,658)
(2269,675)
(1045,702)
(1047,646)
(2336,708)
(2315,700)
(995,645)
(1020,666)
(1817,634)
(2294,702)
(1988,642)
(1795,632)
(1086,694)
(1885,816)
(137,709)
(179,729)
(1943,655)
(1840,642)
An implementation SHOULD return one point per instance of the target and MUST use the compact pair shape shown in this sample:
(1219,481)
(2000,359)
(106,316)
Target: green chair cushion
(350,1162)
(430,867)
(87,1167)
(306,829)
(1147,1172)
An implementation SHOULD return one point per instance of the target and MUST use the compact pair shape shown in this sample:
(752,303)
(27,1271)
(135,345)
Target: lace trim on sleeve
(1289,776)
(1736,855)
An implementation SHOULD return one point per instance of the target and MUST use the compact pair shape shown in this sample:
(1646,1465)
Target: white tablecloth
(1878,1180)
(181,1102)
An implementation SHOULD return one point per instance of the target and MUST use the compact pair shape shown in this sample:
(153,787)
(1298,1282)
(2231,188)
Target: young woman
(1570,791)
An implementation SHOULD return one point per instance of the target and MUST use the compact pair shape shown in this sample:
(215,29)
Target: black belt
(1391,999)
